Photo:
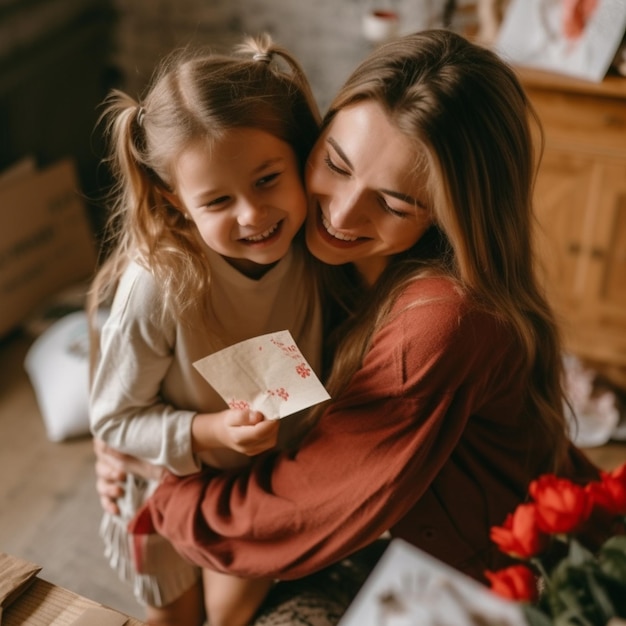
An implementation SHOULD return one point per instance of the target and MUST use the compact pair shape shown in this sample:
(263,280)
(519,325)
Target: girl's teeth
(265,235)
(337,235)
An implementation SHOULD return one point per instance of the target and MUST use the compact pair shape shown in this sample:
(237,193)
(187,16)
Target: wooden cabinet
(580,201)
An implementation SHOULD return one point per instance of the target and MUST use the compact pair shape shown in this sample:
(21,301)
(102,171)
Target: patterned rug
(322,598)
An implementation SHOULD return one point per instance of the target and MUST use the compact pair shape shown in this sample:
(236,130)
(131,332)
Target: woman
(446,383)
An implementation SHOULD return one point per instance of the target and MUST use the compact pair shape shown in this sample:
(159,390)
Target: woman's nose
(347,208)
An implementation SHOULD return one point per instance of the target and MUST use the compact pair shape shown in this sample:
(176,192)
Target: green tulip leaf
(600,598)
(535,617)
(572,618)
(612,558)
(613,564)
(578,555)
(618,542)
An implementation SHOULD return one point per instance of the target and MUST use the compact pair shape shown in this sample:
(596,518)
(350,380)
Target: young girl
(209,198)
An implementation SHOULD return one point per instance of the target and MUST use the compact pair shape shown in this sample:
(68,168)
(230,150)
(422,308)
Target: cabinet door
(580,202)
(607,275)
(564,228)
(599,330)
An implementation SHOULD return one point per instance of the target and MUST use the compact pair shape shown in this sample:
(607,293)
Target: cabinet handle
(573,248)
(597,253)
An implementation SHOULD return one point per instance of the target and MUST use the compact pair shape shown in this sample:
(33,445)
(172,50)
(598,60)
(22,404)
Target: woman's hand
(241,430)
(111,469)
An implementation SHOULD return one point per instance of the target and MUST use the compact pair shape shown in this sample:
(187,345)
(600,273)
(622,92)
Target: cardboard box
(46,242)
(27,599)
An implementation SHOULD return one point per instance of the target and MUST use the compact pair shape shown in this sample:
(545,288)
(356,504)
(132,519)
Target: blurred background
(58,58)
(58,61)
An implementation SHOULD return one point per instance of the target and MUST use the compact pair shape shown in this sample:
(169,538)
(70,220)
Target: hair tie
(264,57)
(141,112)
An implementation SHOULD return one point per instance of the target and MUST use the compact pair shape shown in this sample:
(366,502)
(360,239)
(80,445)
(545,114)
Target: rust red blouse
(429,441)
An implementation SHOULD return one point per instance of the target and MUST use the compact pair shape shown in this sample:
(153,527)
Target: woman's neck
(371,268)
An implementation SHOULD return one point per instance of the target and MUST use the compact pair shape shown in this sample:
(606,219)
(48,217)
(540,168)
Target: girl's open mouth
(271,233)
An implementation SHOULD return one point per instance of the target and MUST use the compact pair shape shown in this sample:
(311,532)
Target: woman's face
(367,201)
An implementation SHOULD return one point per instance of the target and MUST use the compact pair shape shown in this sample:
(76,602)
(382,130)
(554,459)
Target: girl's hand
(111,469)
(242,430)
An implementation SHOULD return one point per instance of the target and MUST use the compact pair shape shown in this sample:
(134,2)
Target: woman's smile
(334,236)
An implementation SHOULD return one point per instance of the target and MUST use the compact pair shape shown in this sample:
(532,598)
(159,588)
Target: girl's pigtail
(264,50)
(123,121)
(125,128)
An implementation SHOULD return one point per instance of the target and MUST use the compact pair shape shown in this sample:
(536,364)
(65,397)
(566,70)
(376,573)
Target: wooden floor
(49,513)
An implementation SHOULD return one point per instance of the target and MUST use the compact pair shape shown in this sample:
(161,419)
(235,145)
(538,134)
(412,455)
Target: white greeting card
(411,588)
(267,373)
(532,34)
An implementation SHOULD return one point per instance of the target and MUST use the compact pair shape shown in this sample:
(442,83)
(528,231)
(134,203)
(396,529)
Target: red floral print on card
(238,404)
(281,392)
(303,370)
(289,350)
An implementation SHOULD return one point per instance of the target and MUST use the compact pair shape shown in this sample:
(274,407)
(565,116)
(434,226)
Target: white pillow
(58,366)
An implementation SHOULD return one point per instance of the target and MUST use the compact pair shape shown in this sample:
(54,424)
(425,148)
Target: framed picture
(575,37)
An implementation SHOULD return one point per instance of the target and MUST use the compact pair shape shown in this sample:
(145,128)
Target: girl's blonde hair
(467,113)
(194,95)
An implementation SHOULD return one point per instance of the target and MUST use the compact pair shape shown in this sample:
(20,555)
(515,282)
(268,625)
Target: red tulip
(517,582)
(520,536)
(561,506)
(619,472)
(610,493)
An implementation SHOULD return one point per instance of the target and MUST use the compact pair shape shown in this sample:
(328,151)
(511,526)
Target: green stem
(542,571)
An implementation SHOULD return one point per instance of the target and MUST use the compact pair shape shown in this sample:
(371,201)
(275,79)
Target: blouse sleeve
(136,350)
(368,461)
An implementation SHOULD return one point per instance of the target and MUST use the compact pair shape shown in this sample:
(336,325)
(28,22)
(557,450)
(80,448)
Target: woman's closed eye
(390,209)
(333,167)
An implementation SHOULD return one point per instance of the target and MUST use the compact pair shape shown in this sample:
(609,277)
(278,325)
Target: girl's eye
(333,168)
(267,180)
(217,202)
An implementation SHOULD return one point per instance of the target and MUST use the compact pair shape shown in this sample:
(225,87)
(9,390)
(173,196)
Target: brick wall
(325,35)
(54,73)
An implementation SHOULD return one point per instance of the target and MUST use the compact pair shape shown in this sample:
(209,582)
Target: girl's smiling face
(245,194)
(367,199)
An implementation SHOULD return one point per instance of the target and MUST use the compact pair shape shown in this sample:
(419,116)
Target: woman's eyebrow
(403,197)
(340,152)
(395,194)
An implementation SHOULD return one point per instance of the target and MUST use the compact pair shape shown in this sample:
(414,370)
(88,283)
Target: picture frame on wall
(578,38)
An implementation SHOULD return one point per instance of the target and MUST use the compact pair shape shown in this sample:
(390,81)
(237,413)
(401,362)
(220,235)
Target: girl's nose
(251,212)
